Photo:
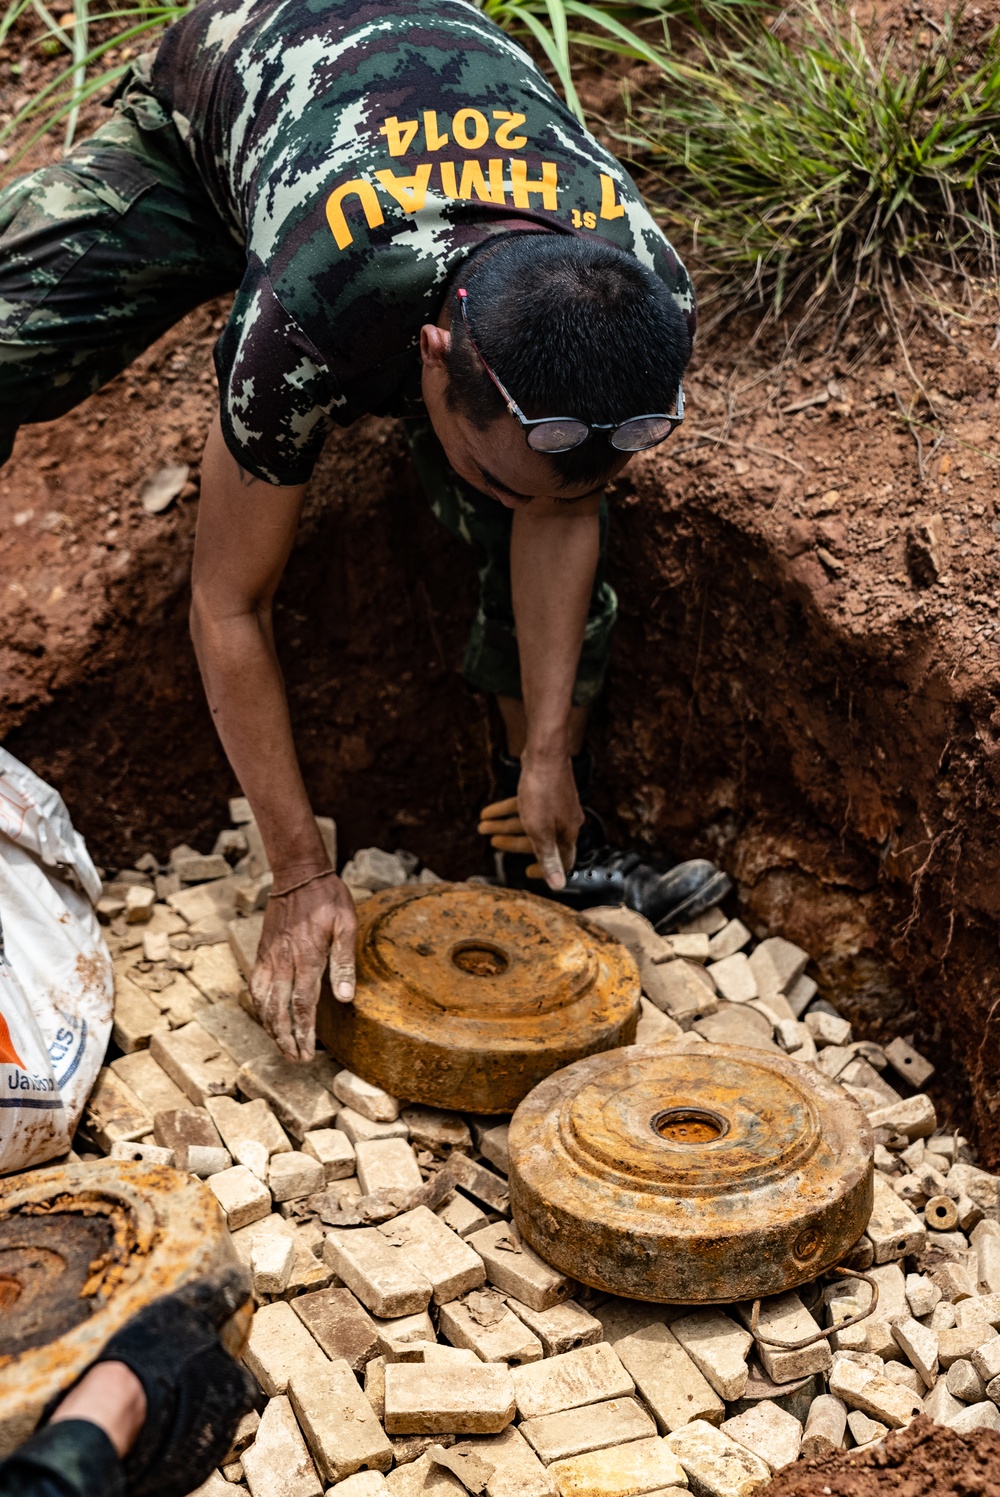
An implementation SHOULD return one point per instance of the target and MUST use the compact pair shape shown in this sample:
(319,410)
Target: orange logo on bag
(8,1055)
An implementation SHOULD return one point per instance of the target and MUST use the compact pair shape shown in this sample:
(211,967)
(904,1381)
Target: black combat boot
(611,875)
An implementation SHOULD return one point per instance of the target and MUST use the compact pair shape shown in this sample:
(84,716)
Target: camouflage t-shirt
(361,149)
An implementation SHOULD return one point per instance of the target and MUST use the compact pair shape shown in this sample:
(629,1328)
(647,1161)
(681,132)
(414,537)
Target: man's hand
(302,931)
(544,818)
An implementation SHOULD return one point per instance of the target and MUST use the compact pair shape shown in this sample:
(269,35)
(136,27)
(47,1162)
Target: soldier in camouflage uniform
(347,167)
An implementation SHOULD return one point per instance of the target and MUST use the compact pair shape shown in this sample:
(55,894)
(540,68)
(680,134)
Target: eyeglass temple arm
(511,403)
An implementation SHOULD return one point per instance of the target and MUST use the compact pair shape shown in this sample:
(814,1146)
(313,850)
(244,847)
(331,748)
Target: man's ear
(435,344)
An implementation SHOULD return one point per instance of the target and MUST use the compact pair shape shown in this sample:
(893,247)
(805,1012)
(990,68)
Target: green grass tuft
(820,167)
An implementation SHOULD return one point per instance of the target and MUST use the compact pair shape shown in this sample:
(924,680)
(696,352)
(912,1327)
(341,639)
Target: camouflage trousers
(491,657)
(103,252)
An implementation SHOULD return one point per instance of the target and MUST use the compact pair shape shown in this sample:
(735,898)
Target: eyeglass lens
(557,436)
(641,432)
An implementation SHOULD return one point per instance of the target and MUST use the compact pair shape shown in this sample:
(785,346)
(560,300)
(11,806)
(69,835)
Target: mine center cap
(689,1123)
(475,952)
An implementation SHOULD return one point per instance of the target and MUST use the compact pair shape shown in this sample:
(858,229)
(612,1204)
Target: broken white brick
(733,976)
(196,1061)
(404,1337)
(517,1471)
(825,1426)
(136,1018)
(139,902)
(142,1153)
(383,1279)
(653,1026)
(388,1164)
(828,1029)
(362,1484)
(986,1359)
(422,1477)
(629,1470)
(216,975)
(978,1185)
(239,1035)
(962,1343)
(726,942)
(920,1345)
(767,1430)
(482,1323)
(954,1281)
(915,1116)
(461,1400)
(436,1354)
(340,1425)
(371,1101)
(909,1377)
(293,1090)
(239,1121)
(985,1240)
(678,990)
(293,1175)
(894,1229)
(204,1162)
(278,1464)
(447,1262)
(333,1150)
(592,1374)
(717,1466)
(433,1128)
(113,1112)
(718,1347)
(493,1146)
(940,1405)
(922,1294)
(800,995)
(711,921)
(461,1215)
(517,1270)
(668,1378)
(984,1415)
(557,1437)
(339,1325)
(279,1345)
(873,1394)
(777,965)
(243,1197)
(563,1328)
(908,1063)
(785,1318)
(964,1382)
(360,1129)
(271,1259)
(863,1429)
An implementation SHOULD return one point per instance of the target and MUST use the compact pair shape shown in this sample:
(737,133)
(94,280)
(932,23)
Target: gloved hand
(196,1394)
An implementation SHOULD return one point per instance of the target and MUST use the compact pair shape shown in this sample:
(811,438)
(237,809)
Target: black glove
(196,1394)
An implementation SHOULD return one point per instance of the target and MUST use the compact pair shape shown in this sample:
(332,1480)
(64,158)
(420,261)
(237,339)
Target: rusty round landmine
(691,1177)
(468,996)
(82,1248)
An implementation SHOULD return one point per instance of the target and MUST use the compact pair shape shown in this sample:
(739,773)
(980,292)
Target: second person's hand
(303,931)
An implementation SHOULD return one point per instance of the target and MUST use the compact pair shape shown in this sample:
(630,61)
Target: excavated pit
(831,736)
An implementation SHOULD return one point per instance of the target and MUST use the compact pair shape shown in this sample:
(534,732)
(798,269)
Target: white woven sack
(56,982)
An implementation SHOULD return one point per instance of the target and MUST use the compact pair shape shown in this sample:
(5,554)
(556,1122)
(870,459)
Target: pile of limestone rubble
(408,1342)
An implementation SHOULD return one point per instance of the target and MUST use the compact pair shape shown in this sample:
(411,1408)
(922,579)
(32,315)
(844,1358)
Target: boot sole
(710,893)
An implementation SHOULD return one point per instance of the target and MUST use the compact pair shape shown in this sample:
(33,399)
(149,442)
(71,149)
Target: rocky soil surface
(389,1276)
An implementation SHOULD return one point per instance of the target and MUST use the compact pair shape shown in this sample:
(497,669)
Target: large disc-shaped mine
(82,1248)
(695,1177)
(467,996)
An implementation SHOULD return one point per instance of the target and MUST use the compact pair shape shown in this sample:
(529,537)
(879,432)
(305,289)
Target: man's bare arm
(553,557)
(245,533)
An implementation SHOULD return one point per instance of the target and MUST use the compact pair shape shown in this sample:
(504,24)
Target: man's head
(572,327)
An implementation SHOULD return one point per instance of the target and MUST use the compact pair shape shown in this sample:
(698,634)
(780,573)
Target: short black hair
(573,327)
